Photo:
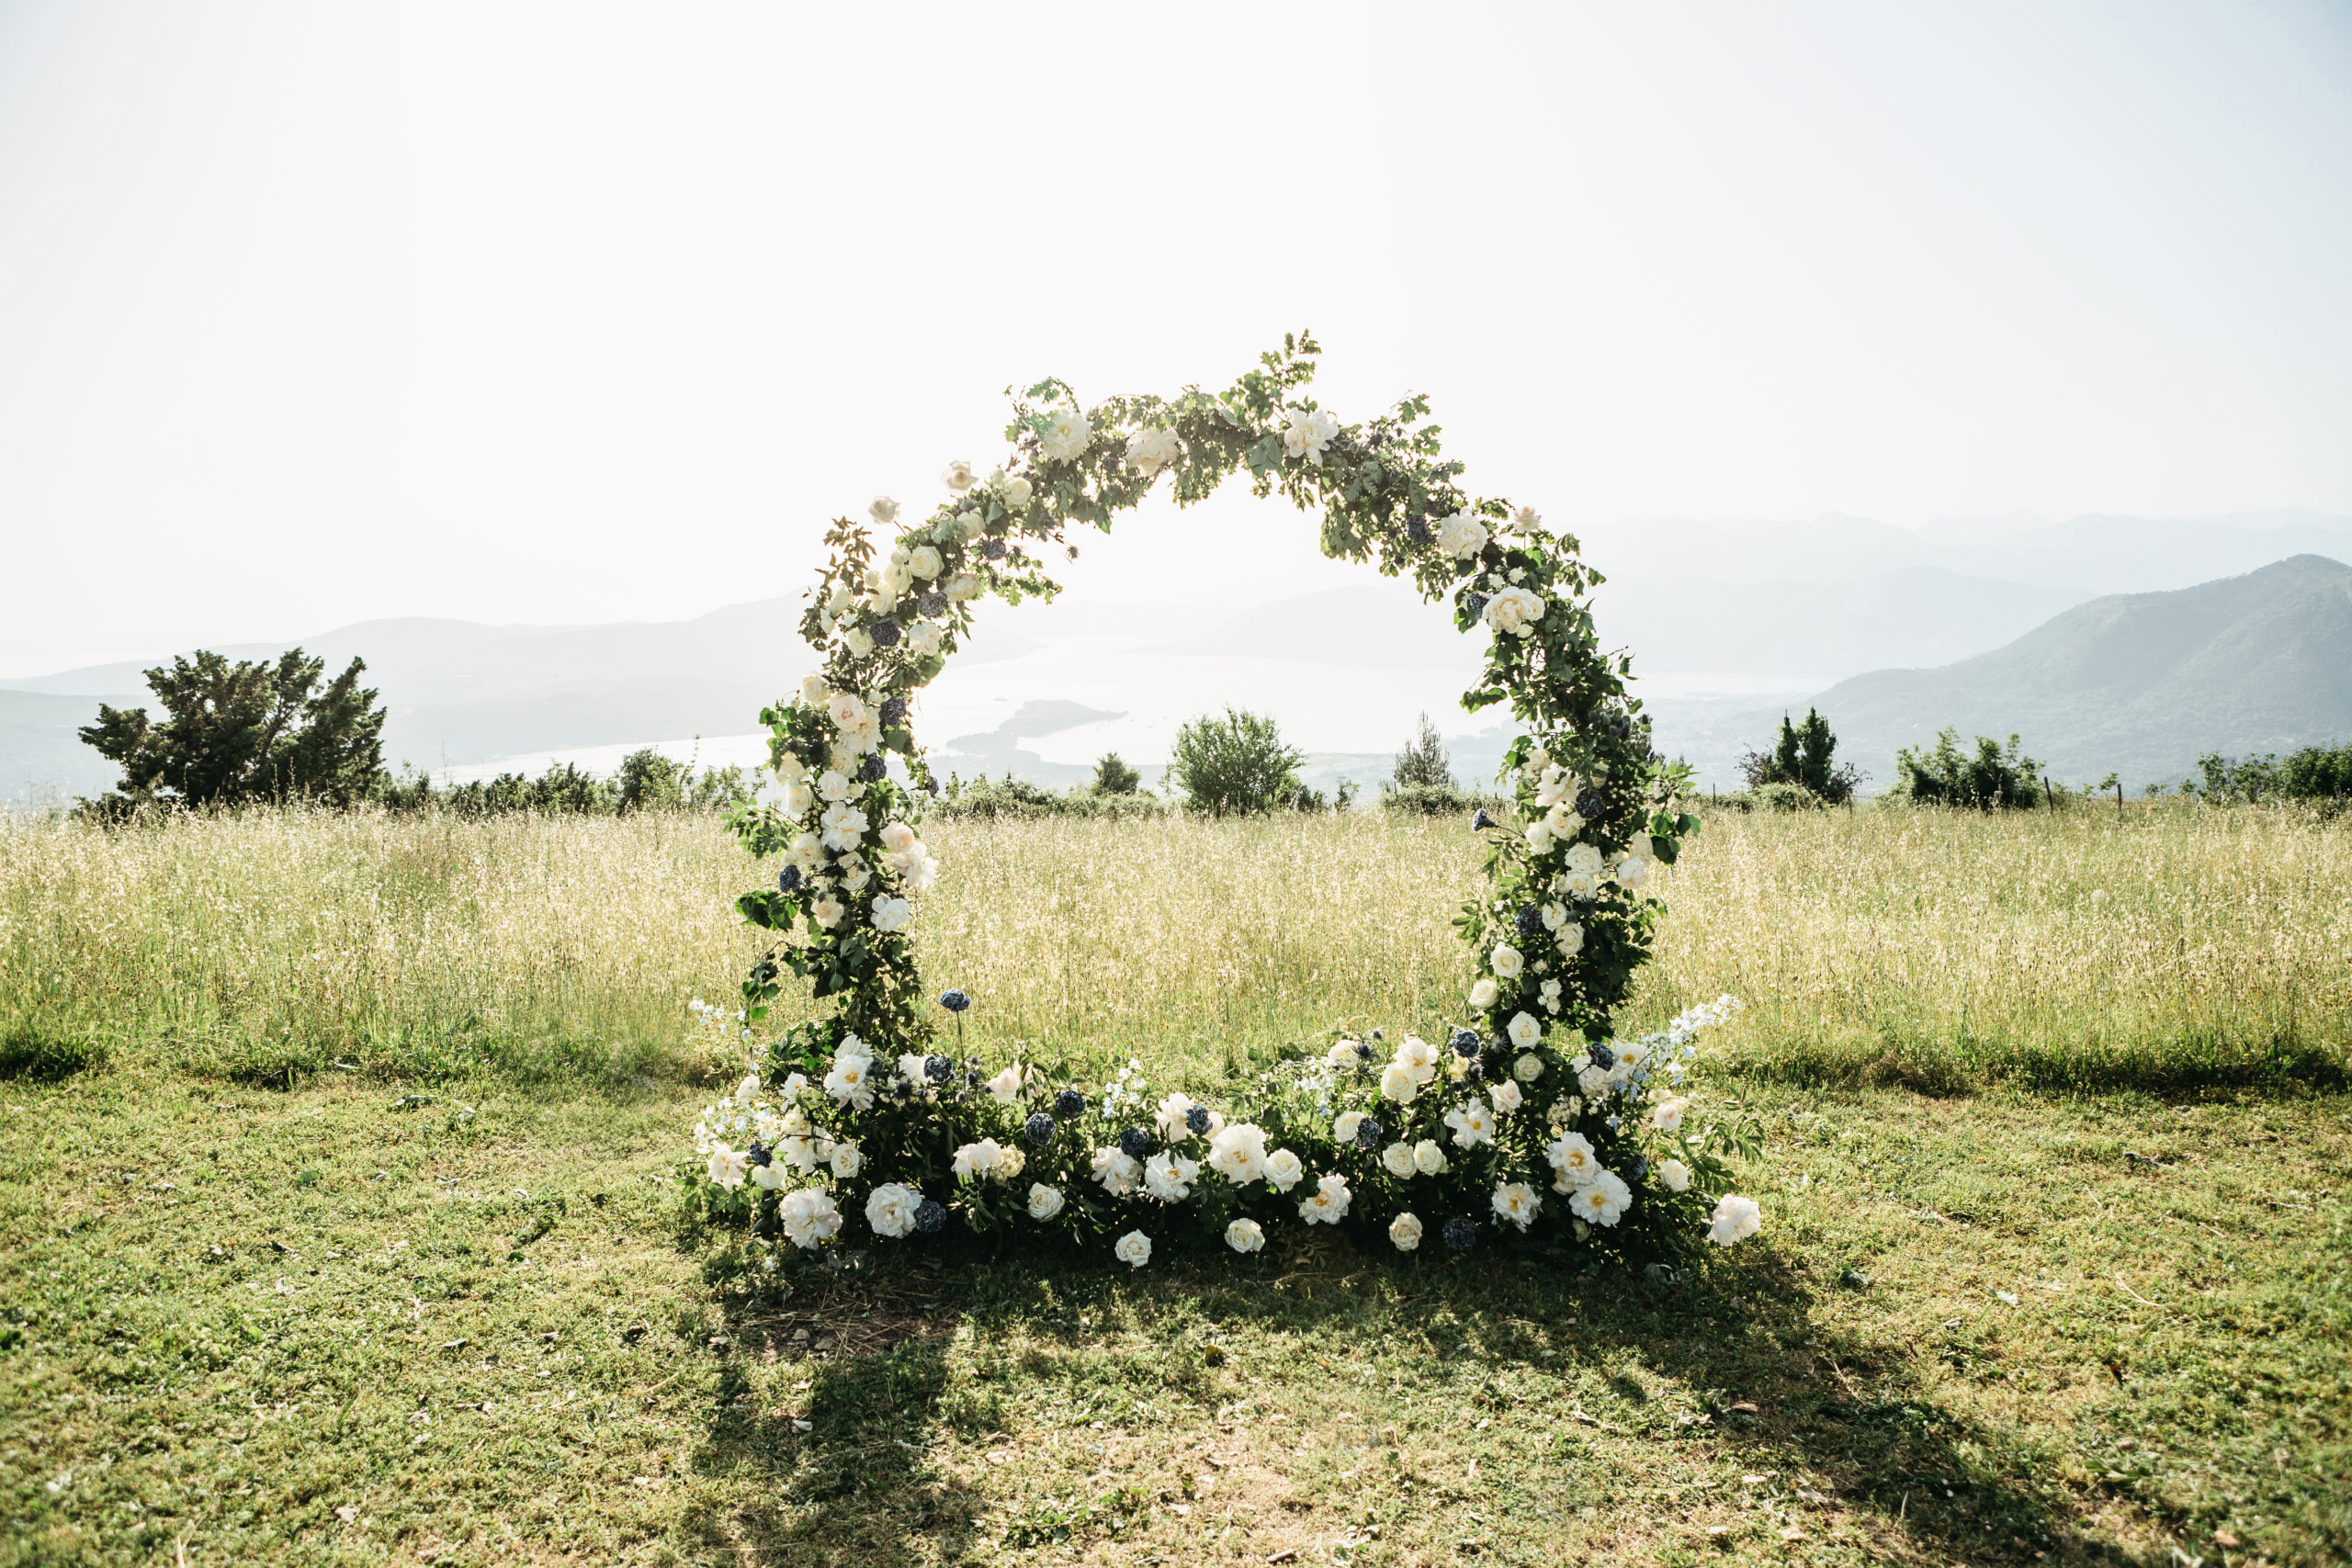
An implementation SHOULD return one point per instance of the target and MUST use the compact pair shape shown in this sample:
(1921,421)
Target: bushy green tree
(1994,778)
(1113,776)
(1423,764)
(1235,765)
(1802,757)
(2315,773)
(248,731)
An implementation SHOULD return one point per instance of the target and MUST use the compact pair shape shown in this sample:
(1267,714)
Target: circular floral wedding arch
(1530,1124)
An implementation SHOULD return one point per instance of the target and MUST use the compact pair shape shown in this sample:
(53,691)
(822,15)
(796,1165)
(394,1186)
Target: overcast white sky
(314,312)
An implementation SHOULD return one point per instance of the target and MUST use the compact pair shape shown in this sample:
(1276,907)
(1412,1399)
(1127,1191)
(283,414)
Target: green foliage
(1113,776)
(1439,800)
(1801,759)
(1235,765)
(238,733)
(986,800)
(2315,773)
(646,781)
(1423,764)
(1996,777)
(1781,797)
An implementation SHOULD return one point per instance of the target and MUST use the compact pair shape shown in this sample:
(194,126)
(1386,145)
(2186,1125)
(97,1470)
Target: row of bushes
(2315,773)
(646,781)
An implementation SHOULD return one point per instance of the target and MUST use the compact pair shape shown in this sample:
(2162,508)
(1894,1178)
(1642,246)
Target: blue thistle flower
(1363,1051)
(1465,1042)
(1602,1056)
(1460,1233)
(993,550)
(930,1215)
(937,1068)
(788,879)
(894,710)
(1040,1128)
(758,1153)
(1590,806)
(1070,1103)
(953,1001)
(1417,530)
(884,634)
(1369,1132)
(1379,1034)
(1530,920)
(1479,820)
(1136,1144)
(1197,1118)
(872,770)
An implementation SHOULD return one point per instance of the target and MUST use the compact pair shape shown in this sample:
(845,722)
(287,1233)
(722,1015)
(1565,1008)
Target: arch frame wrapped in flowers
(1531,1123)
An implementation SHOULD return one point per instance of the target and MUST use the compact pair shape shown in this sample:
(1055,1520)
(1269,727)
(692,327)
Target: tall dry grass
(2172,947)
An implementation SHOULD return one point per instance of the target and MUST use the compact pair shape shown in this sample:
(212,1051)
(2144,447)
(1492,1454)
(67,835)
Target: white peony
(808,1217)
(1528,1068)
(1483,994)
(959,476)
(1284,1169)
(844,825)
(1735,1219)
(1245,1235)
(1666,1115)
(892,915)
(891,1209)
(1515,611)
(975,1160)
(1420,1058)
(1604,1198)
(1045,1202)
(1237,1152)
(1591,1082)
(1473,1124)
(1065,435)
(1506,961)
(1398,1159)
(1308,432)
(964,586)
(1675,1174)
(1405,1231)
(727,1167)
(1427,1158)
(1397,1083)
(1149,451)
(1518,1202)
(1328,1204)
(1524,1030)
(1506,1096)
(1573,1156)
(1134,1249)
(1006,1085)
(1119,1172)
(1168,1175)
(1462,536)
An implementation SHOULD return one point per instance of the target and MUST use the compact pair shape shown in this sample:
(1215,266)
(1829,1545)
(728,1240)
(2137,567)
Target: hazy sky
(314,312)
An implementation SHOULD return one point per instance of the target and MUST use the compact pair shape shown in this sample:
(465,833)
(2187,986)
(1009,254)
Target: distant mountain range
(1988,623)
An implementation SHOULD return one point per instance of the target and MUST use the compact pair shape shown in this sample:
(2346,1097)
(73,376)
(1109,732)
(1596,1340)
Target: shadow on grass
(1778,1390)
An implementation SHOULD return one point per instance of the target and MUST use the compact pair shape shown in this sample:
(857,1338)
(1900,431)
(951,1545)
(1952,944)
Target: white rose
(974,1160)
(1405,1231)
(1666,1115)
(1734,1220)
(1149,451)
(1045,1202)
(1328,1204)
(1343,1055)
(1540,836)
(892,914)
(1563,821)
(1119,1172)
(1006,1085)
(1462,536)
(1398,1159)
(891,1209)
(1584,859)
(1524,1031)
(847,1160)
(1515,611)
(1525,520)
(1307,432)
(727,1167)
(808,1217)
(798,800)
(1632,872)
(1011,488)
(833,785)
(812,691)
(1571,940)
(1528,1068)
(1506,1097)
(1284,1169)
(922,640)
(958,477)
(1134,1249)
(883,510)
(1245,1235)
(963,586)
(1506,961)
(1238,1152)
(1483,994)
(1427,1158)
(1675,1174)
(858,641)
(1344,1126)
(1066,436)
(826,911)
(924,562)
(898,837)
(1397,1083)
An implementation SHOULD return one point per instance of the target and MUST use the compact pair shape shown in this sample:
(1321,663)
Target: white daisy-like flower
(1397,1083)
(1518,1202)
(1462,536)
(975,1160)
(1237,1152)
(1308,432)
(844,825)
(851,1082)
(890,1209)
(808,1217)
(1506,1096)
(1405,1231)
(1149,451)
(1398,1159)
(1006,1085)
(1572,1154)
(1119,1172)
(1045,1202)
(1605,1199)
(727,1167)
(1429,1159)
(1284,1170)
(1245,1235)
(959,476)
(1524,1031)
(1734,1220)
(1328,1204)
(1473,1124)
(1065,435)
(1168,1175)
(1675,1174)
(1506,961)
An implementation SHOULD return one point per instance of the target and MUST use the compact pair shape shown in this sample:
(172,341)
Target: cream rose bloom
(891,1209)
(1134,1249)
(1237,1152)
(1284,1169)
(826,911)
(959,476)
(1666,1115)
(1483,993)
(1398,1159)
(1675,1174)
(1011,488)
(1066,436)
(1528,1068)
(1245,1235)
(1507,1096)
(1584,859)
(964,586)
(1397,1083)
(1405,1231)
(1462,536)
(1045,1202)
(1539,837)
(1308,432)
(1734,1220)
(727,1167)
(923,640)
(1524,1031)
(1514,611)
(1570,940)
(1149,451)
(883,510)
(892,914)
(1506,961)
(1429,1159)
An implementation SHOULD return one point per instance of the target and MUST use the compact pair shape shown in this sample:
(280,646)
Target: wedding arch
(1530,1123)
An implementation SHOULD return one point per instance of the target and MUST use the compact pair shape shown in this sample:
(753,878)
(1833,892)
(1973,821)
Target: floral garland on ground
(1531,1123)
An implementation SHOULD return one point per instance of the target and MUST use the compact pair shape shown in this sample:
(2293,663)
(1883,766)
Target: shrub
(1440,800)
(1800,759)
(1784,797)
(2315,773)
(646,781)
(1422,765)
(1236,766)
(986,800)
(1998,777)
(1113,776)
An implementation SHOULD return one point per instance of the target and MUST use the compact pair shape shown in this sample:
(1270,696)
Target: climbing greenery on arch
(1531,1123)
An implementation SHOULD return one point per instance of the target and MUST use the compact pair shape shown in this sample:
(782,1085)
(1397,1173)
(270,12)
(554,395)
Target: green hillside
(2138,684)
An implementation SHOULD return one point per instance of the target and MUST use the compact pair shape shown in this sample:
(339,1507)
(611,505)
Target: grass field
(2057,1266)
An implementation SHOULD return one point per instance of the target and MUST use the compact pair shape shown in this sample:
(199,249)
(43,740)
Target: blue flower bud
(1136,1144)
(936,1068)
(1479,820)
(884,634)
(1529,920)
(787,879)
(1070,1103)
(1197,1118)
(872,770)
(953,1001)
(933,604)
(930,1214)
(758,1153)
(1040,1128)
(1602,1056)
(1465,1042)
(894,710)
(1369,1133)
